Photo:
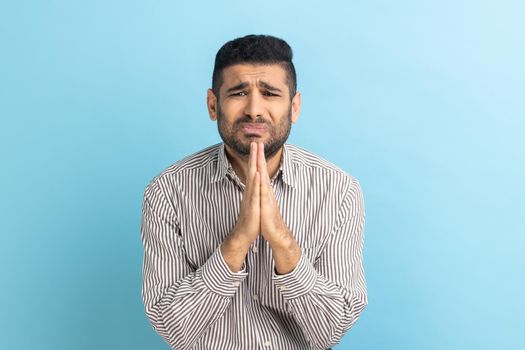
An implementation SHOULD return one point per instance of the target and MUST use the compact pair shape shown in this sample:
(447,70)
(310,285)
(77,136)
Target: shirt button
(236,283)
(255,249)
(282,288)
(255,297)
(267,343)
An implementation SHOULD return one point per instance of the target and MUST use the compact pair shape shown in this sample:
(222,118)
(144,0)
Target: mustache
(247,119)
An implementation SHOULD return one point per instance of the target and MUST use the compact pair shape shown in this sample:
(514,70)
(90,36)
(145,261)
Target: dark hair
(256,49)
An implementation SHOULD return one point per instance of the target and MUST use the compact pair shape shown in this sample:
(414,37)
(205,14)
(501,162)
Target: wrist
(238,240)
(287,255)
(234,250)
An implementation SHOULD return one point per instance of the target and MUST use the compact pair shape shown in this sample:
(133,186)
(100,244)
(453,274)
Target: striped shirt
(194,301)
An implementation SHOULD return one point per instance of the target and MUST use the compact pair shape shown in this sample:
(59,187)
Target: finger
(261,162)
(257,188)
(263,169)
(252,161)
(257,201)
(252,168)
(255,194)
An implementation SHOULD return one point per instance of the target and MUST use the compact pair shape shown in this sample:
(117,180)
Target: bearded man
(253,243)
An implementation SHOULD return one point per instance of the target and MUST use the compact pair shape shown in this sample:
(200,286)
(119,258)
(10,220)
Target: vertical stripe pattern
(194,301)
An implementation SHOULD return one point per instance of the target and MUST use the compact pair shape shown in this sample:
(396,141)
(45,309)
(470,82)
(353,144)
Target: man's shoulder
(311,169)
(306,160)
(196,162)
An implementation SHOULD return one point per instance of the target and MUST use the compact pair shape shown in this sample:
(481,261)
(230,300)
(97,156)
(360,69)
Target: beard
(231,134)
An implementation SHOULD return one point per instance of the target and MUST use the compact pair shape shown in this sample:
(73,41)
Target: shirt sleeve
(327,296)
(181,302)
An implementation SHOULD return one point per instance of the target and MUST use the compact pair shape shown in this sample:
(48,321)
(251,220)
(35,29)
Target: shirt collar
(289,171)
(222,165)
(286,169)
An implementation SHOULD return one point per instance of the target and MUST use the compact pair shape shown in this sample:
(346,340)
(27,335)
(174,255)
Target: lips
(254,128)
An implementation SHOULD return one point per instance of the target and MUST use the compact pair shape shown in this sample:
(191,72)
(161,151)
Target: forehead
(252,73)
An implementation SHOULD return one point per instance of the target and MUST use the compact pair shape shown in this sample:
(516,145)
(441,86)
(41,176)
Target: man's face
(254,105)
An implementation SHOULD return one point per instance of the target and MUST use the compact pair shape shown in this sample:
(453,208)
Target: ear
(211,101)
(296,106)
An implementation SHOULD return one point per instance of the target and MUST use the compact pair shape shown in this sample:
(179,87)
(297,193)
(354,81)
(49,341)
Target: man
(253,243)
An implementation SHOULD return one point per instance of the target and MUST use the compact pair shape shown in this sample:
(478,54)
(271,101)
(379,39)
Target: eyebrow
(262,84)
(269,87)
(237,87)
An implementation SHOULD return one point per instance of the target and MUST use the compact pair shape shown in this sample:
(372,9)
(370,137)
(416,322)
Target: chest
(211,212)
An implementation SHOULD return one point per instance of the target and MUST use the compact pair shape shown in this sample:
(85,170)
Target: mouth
(254,129)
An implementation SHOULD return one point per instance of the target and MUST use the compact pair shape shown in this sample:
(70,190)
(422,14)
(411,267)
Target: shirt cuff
(299,281)
(218,277)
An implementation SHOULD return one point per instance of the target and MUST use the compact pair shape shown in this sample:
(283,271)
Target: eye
(268,93)
(240,93)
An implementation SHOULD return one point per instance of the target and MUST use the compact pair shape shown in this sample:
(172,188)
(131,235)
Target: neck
(240,163)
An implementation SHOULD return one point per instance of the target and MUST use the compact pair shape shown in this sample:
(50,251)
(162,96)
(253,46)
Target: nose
(254,107)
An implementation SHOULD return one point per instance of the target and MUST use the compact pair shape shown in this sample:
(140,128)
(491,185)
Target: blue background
(422,101)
